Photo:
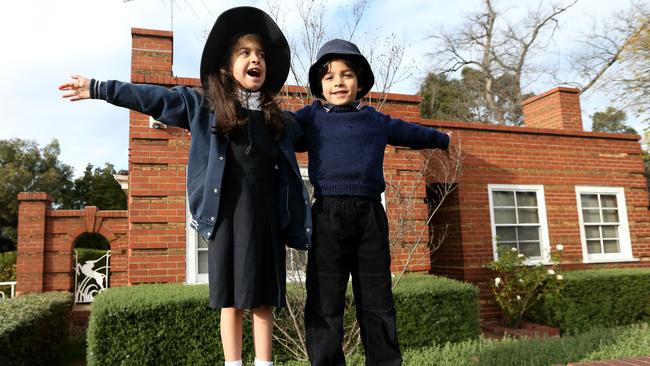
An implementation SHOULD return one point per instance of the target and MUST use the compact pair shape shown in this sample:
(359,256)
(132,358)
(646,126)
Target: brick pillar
(151,53)
(30,260)
(558,108)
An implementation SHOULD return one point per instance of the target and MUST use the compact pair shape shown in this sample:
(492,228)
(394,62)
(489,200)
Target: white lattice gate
(90,278)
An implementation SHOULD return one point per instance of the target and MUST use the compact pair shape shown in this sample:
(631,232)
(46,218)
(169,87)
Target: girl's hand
(79,88)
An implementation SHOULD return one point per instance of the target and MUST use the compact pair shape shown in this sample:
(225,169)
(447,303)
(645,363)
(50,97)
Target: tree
(384,53)
(623,41)
(98,187)
(448,99)
(499,51)
(611,120)
(25,167)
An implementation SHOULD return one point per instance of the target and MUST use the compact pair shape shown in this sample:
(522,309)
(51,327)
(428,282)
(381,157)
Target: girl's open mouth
(255,72)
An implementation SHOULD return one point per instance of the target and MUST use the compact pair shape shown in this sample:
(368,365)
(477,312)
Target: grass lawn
(598,344)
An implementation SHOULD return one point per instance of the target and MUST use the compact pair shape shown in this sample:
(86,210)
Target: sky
(44,42)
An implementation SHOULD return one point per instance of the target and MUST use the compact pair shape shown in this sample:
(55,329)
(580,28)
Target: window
(518,219)
(196,254)
(603,224)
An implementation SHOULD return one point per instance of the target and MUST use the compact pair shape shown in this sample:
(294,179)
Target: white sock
(232,363)
(263,363)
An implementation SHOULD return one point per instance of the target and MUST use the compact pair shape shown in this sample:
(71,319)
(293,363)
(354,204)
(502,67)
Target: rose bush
(518,285)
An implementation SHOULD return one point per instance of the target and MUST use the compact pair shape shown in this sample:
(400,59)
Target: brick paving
(639,361)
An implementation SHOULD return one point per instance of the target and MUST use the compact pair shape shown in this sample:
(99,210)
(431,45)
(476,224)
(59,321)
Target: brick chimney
(558,108)
(151,53)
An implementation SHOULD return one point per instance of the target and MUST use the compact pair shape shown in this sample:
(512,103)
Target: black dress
(246,264)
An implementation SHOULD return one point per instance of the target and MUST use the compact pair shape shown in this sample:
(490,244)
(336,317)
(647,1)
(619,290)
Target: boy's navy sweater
(346,146)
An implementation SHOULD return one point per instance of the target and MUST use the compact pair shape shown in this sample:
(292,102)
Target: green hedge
(172,323)
(598,297)
(89,254)
(434,309)
(33,327)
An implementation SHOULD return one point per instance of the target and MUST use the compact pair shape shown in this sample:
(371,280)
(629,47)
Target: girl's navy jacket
(184,107)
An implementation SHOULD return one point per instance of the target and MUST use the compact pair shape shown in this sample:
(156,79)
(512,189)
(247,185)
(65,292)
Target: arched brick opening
(46,241)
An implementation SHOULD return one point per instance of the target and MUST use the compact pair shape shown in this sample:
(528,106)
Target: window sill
(612,260)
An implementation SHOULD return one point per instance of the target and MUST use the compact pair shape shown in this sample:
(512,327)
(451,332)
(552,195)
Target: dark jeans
(350,238)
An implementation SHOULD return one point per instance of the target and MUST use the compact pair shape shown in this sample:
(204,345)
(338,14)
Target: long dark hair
(223,95)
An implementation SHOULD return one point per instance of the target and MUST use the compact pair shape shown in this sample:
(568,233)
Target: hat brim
(243,20)
(366,80)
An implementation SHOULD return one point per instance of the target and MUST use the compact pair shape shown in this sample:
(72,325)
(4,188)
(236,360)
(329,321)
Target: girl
(244,187)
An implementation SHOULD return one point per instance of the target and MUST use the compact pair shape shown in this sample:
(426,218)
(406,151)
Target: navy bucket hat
(242,20)
(338,48)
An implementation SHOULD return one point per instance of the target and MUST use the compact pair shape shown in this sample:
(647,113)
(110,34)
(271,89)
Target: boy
(346,143)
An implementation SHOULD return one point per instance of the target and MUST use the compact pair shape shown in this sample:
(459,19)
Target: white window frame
(191,251)
(624,242)
(541,211)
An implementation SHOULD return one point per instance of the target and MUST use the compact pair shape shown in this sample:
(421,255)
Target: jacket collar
(352,107)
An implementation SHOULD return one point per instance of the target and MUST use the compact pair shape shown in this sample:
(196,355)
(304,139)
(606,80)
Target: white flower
(513,249)
(520,255)
(559,277)
(560,247)
(551,272)
(521,281)
(497,281)
(518,297)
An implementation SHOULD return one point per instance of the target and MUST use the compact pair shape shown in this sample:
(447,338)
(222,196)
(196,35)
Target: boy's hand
(79,88)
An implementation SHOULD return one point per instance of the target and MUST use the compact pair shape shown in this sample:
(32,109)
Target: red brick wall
(46,238)
(558,108)
(558,156)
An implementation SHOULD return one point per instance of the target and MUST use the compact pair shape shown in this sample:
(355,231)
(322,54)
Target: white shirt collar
(250,100)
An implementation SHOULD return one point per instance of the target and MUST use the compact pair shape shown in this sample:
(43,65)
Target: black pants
(350,238)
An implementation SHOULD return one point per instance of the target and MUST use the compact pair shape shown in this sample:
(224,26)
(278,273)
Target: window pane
(504,216)
(506,234)
(203,261)
(504,247)
(528,216)
(592,232)
(610,231)
(531,249)
(610,215)
(589,200)
(501,198)
(202,242)
(591,215)
(527,199)
(611,246)
(608,200)
(593,247)
(528,233)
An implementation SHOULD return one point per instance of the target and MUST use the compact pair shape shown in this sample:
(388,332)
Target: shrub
(518,286)
(33,327)
(433,309)
(7,270)
(598,297)
(172,323)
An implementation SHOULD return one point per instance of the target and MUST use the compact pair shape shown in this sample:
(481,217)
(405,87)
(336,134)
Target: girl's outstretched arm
(76,89)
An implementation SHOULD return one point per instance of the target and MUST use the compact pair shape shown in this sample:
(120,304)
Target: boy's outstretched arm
(76,89)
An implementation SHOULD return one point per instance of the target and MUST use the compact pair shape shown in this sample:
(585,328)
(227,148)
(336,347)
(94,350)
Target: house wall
(551,150)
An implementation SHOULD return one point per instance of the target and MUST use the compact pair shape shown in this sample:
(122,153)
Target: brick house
(531,187)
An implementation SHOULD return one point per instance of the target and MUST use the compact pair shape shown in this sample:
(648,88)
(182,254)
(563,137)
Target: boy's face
(248,64)
(340,84)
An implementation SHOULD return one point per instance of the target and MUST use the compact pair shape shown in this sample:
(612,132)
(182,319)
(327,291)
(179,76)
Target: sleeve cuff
(97,89)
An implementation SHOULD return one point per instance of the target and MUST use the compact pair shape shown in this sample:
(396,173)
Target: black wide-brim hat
(338,48)
(238,21)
